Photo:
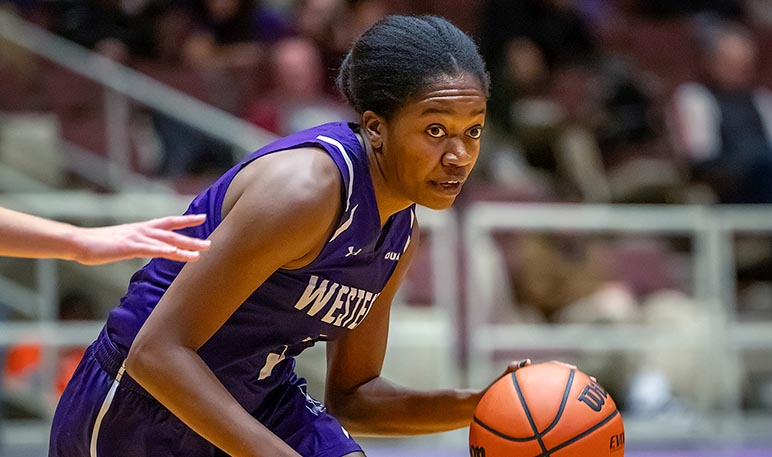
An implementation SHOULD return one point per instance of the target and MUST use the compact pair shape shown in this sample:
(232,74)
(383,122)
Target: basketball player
(25,235)
(311,236)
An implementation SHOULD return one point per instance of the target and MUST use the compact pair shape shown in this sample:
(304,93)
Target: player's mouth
(449,186)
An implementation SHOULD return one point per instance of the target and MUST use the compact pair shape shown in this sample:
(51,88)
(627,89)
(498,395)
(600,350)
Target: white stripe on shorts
(103,410)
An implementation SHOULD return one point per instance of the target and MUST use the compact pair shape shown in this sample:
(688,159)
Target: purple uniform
(104,412)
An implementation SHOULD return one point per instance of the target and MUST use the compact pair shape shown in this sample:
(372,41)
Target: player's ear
(372,125)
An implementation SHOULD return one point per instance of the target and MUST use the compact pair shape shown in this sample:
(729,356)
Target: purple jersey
(254,350)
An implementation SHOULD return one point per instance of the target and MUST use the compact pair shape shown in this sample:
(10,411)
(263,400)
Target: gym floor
(378,451)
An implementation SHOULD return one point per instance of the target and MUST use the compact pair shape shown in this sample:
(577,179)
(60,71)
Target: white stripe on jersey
(346,224)
(412,221)
(350,166)
(103,410)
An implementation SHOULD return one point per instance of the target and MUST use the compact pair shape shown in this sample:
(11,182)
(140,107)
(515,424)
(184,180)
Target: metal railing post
(117,118)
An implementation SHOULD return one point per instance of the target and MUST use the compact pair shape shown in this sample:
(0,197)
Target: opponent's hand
(152,238)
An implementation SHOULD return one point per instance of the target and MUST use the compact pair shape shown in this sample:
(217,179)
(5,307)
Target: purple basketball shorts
(101,416)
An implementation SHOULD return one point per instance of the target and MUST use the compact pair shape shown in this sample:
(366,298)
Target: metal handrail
(132,84)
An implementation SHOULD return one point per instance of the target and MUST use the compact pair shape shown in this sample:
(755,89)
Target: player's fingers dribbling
(518,364)
(511,368)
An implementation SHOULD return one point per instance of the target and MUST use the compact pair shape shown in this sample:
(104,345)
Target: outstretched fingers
(170,245)
(159,240)
(176,222)
(153,238)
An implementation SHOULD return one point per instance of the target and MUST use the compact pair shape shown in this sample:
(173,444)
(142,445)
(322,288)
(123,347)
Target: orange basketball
(546,410)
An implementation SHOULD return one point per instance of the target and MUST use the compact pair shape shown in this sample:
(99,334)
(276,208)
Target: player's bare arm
(258,235)
(368,404)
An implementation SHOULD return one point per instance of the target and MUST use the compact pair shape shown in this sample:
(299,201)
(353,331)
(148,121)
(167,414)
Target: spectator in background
(118,29)
(722,128)
(20,69)
(332,25)
(565,278)
(554,26)
(187,151)
(297,99)
(760,11)
(316,20)
(730,9)
(573,278)
(358,16)
(723,123)
(136,32)
(561,105)
(231,34)
(543,106)
(567,117)
(224,45)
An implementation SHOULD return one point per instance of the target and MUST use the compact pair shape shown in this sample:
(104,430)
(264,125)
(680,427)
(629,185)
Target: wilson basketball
(546,410)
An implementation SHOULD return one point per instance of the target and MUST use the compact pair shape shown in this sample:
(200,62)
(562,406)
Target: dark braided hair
(401,56)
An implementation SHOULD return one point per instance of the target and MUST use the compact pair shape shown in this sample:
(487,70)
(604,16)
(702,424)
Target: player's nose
(457,154)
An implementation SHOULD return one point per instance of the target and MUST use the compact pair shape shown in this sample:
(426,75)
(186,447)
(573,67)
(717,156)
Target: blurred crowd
(593,100)
(598,101)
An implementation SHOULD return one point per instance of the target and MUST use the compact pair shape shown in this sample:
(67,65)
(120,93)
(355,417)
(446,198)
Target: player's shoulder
(302,176)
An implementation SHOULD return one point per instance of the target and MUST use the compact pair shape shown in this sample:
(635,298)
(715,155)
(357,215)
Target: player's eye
(435,131)
(475,132)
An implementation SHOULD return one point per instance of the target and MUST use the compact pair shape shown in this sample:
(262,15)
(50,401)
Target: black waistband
(111,360)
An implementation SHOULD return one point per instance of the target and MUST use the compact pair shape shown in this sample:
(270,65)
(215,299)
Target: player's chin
(440,196)
(438,203)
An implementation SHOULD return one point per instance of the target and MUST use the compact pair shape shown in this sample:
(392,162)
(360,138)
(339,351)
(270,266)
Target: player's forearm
(382,408)
(25,235)
(181,381)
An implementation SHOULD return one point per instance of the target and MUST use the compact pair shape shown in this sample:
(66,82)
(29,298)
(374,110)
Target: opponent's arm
(25,235)
(264,230)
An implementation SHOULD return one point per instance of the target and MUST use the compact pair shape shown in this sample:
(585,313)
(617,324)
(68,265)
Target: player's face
(432,144)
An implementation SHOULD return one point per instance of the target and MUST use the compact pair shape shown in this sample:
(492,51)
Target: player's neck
(389,202)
